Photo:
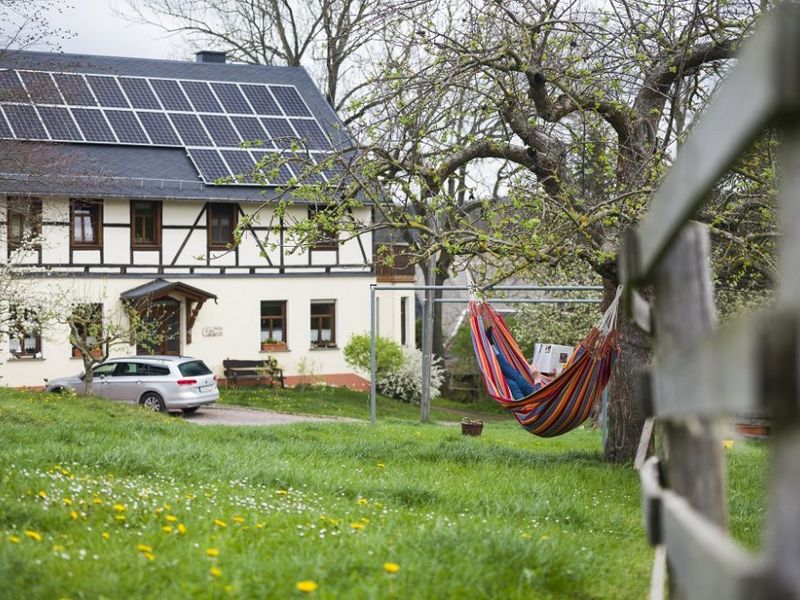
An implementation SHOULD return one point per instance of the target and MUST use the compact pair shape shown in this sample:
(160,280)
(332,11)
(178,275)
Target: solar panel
(305,169)
(11,89)
(311,134)
(93,125)
(280,132)
(221,130)
(241,164)
(290,101)
(159,128)
(170,94)
(209,164)
(251,131)
(272,166)
(41,87)
(127,128)
(59,123)
(74,89)
(232,98)
(5,130)
(25,122)
(190,130)
(107,91)
(201,97)
(261,99)
(139,93)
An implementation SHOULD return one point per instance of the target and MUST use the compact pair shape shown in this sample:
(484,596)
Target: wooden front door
(165,314)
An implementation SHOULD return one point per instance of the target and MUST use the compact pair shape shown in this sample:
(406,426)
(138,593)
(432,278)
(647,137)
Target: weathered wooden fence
(702,376)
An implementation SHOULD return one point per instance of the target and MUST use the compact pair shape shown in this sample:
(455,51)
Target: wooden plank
(760,85)
(651,500)
(704,560)
(644,443)
(658,576)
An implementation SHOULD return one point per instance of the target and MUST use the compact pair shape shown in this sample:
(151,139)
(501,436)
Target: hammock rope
(560,404)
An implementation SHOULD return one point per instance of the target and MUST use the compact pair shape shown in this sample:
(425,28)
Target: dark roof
(159,288)
(101,170)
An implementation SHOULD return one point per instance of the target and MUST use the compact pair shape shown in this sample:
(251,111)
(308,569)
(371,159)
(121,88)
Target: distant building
(121,164)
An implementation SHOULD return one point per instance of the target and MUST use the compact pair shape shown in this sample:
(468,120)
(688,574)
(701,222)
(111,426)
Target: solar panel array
(230,130)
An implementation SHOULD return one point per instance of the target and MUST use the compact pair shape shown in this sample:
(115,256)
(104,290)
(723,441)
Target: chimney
(209,56)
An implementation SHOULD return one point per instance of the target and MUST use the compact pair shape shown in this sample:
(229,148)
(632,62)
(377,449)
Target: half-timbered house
(136,174)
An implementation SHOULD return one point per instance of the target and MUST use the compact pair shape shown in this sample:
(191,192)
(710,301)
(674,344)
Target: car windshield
(195,367)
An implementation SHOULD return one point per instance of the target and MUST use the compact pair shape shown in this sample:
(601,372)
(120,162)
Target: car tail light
(187,382)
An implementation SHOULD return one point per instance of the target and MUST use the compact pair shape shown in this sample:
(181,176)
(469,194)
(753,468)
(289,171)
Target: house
(137,172)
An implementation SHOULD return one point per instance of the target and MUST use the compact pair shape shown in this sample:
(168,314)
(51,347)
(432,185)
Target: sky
(99,30)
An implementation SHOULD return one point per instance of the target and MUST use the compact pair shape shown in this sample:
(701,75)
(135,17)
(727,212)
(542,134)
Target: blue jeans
(519,386)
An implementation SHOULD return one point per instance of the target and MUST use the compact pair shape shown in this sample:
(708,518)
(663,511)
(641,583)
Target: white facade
(260,269)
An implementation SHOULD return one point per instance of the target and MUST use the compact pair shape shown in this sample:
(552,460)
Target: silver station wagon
(159,383)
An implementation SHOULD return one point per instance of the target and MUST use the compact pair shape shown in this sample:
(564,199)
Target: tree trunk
(624,419)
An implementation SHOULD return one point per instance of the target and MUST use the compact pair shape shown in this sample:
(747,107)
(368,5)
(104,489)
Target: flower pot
(473,428)
(273,346)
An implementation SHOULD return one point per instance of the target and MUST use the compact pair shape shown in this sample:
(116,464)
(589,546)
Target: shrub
(405,382)
(388,354)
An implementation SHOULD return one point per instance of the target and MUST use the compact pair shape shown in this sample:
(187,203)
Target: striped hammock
(560,404)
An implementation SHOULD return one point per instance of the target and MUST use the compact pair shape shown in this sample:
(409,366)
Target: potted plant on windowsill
(270,345)
(472,427)
(323,344)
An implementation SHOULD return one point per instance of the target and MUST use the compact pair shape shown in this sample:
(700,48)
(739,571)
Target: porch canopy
(161,288)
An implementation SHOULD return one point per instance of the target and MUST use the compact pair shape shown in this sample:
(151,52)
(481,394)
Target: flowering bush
(405,381)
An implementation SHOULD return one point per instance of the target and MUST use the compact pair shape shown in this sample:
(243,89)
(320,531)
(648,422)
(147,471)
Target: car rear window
(154,370)
(195,367)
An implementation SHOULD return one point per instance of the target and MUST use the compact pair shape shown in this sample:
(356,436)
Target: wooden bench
(258,371)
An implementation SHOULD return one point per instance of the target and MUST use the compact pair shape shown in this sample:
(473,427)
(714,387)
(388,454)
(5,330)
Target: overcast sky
(98,30)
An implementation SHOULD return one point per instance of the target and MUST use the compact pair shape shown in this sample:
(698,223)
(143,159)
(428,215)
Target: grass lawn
(104,500)
(342,402)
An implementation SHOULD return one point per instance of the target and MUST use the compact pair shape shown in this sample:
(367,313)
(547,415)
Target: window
(24,339)
(323,324)
(329,234)
(221,223)
(86,218)
(128,369)
(273,322)
(24,218)
(86,324)
(403,319)
(104,370)
(145,224)
(194,368)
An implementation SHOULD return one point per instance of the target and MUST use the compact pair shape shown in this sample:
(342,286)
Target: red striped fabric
(559,405)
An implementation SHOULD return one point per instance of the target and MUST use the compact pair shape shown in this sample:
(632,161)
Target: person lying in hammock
(520,387)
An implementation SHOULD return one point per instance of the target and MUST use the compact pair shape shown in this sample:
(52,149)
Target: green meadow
(100,500)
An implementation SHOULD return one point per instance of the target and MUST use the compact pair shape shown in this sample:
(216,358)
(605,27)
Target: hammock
(560,404)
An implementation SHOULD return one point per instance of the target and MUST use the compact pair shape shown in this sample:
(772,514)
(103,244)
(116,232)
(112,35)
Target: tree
(581,106)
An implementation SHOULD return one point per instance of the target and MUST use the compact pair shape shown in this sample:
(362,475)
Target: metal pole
(427,344)
(373,367)
(523,301)
(499,288)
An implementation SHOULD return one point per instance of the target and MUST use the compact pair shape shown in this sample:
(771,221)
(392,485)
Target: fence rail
(703,375)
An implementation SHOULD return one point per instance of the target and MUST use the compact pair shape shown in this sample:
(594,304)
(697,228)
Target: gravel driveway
(235,415)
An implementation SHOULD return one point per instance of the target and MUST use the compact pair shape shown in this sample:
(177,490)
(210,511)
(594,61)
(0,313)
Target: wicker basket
(472,428)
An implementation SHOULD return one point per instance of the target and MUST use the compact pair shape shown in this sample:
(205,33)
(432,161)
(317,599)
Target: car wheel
(191,410)
(58,390)
(152,401)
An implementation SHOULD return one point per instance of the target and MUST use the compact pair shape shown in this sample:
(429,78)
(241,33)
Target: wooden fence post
(684,314)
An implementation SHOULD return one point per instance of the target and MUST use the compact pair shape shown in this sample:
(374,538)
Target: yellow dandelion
(259,526)
(58,548)
(238,519)
(212,552)
(282,492)
(73,514)
(728,444)
(181,529)
(34,535)
(96,500)
(307,586)
(220,523)
(67,501)
(42,494)
(171,518)
(119,507)
(105,535)
(144,548)
(120,518)
(148,555)
(166,529)
(391,567)
(14,539)
(362,501)
(365,519)
(215,571)
(381,466)
(357,525)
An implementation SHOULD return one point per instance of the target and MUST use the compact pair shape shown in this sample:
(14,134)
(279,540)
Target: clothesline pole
(373,368)
(427,343)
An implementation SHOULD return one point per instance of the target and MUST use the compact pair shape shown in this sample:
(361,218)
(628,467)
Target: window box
(323,344)
(96,353)
(273,347)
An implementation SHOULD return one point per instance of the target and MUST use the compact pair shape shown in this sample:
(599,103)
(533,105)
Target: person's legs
(514,379)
